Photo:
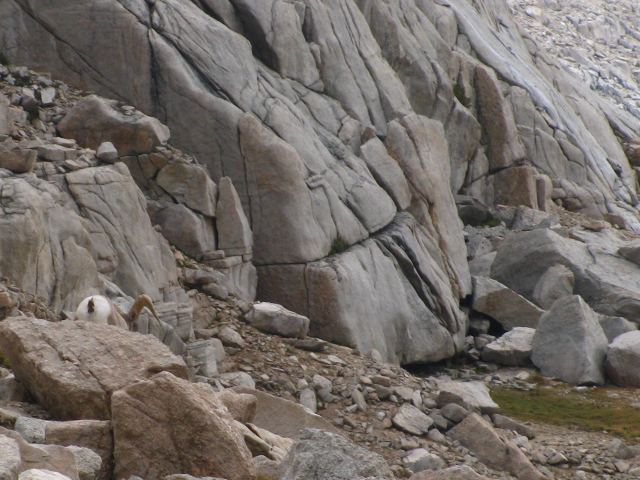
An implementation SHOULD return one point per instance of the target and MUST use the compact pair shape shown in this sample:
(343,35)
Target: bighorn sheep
(100,309)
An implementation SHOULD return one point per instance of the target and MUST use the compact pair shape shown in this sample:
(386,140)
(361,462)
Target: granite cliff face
(351,123)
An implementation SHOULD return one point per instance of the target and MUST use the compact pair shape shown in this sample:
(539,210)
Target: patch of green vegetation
(460,94)
(339,245)
(494,222)
(4,360)
(598,409)
(4,60)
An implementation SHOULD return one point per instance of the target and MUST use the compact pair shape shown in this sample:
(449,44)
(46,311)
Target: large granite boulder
(623,360)
(166,425)
(570,344)
(83,361)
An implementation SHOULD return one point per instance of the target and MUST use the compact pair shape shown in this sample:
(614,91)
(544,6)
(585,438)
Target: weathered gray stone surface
(623,360)
(281,98)
(322,455)
(557,282)
(503,304)
(128,246)
(86,361)
(513,348)
(17,160)
(394,265)
(190,232)
(57,258)
(9,457)
(5,122)
(570,344)
(166,425)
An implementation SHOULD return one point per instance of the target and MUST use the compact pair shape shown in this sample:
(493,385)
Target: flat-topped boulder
(82,361)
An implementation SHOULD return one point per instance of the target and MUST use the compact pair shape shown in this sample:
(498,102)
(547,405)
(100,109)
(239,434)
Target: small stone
(107,152)
(420,459)
(230,338)
(412,420)
(47,96)
(308,399)
(454,412)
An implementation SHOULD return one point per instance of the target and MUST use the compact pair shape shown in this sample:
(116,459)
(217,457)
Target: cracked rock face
(333,117)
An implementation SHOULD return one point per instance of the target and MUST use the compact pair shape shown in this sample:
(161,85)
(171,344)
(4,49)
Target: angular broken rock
(190,185)
(503,304)
(167,425)
(47,457)
(323,455)
(83,361)
(512,349)
(284,417)
(107,152)
(474,394)
(412,420)
(570,344)
(273,318)
(18,161)
(623,360)
(557,282)
(95,120)
(481,438)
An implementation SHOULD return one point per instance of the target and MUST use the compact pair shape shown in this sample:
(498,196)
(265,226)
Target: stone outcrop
(86,361)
